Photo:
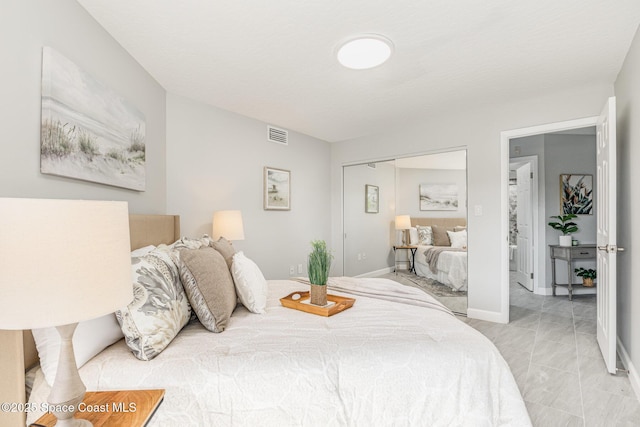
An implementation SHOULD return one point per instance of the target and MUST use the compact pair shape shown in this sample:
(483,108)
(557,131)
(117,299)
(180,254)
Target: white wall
(215,161)
(64,25)
(479,130)
(409,180)
(627,89)
(369,234)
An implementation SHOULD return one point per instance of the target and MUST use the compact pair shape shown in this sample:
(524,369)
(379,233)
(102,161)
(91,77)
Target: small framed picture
(371,199)
(277,189)
(576,194)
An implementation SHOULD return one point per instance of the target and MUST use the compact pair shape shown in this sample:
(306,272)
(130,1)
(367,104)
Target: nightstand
(411,256)
(114,408)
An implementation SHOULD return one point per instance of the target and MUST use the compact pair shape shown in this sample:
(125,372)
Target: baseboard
(560,290)
(634,378)
(489,316)
(376,273)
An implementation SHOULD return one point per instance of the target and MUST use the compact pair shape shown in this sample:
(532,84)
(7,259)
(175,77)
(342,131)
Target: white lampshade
(403,222)
(227,224)
(62,261)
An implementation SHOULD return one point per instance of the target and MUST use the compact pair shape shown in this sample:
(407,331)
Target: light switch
(477,210)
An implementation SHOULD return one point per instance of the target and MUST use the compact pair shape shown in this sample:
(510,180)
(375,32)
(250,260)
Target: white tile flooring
(550,345)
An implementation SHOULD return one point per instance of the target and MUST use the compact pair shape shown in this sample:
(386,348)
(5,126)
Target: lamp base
(68,390)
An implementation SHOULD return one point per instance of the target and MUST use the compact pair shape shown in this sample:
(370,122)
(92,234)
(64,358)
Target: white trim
(489,316)
(376,273)
(505,136)
(563,291)
(634,378)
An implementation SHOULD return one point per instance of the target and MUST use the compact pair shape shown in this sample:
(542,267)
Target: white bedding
(378,363)
(452,268)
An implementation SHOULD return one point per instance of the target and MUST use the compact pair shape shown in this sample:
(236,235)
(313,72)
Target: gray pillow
(440,237)
(209,286)
(226,249)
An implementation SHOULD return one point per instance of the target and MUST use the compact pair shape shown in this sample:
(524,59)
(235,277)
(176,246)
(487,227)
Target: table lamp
(227,224)
(403,222)
(62,262)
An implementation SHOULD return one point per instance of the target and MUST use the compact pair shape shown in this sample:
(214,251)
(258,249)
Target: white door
(524,260)
(606,234)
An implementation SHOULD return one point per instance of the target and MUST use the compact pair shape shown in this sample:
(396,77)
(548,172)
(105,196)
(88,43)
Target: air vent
(277,135)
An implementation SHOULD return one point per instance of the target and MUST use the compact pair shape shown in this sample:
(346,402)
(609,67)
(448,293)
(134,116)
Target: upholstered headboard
(18,348)
(447,223)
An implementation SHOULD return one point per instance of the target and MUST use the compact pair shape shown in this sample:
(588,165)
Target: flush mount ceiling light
(365,51)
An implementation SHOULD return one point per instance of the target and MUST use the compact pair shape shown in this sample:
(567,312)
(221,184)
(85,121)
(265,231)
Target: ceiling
(275,60)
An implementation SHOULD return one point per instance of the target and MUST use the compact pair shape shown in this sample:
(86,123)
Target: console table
(569,254)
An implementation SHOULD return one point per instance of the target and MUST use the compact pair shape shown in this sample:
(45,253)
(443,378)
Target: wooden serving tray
(339,304)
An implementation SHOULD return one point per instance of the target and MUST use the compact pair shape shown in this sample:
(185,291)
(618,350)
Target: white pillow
(413,236)
(142,251)
(90,338)
(458,238)
(251,285)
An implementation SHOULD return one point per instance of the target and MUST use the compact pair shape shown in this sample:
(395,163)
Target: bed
(450,268)
(397,357)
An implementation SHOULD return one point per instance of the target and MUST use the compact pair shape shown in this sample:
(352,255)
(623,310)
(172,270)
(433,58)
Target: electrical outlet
(359,256)
(300,269)
(364,255)
(292,270)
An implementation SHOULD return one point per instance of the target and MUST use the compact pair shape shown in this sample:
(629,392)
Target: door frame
(535,217)
(505,137)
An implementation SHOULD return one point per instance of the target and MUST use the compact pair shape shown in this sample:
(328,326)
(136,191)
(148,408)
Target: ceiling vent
(277,135)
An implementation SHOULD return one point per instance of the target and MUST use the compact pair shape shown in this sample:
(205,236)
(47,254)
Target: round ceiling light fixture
(365,51)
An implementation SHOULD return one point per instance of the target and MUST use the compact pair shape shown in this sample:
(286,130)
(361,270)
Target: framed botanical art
(277,189)
(371,198)
(576,194)
(438,197)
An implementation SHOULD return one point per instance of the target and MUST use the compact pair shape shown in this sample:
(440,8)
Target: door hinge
(532,275)
(531,174)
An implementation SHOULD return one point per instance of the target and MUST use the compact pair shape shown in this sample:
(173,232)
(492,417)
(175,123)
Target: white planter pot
(565,240)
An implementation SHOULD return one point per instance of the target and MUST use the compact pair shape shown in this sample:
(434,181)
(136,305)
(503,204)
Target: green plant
(319,263)
(586,273)
(566,226)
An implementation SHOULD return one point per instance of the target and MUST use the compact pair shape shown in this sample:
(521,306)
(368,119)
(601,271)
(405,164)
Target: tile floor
(550,345)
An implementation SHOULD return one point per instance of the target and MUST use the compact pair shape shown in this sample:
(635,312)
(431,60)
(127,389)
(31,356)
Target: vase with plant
(318,268)
(587,274)
(566,226)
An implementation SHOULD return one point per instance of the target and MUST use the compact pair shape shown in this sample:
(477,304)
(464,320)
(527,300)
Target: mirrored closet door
(432,191)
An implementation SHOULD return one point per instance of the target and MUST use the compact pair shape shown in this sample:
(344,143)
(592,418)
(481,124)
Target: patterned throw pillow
(425,235)
(159,309)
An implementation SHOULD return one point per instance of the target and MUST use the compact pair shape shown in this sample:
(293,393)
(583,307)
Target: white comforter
(380,363)
(452,268)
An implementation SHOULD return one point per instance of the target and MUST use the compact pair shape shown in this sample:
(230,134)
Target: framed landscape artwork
(277,189)
(372,198)
(576,194)
(88,131)
(438,197)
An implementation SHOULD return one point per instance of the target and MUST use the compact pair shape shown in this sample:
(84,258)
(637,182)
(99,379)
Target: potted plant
(566,226)
(587,276)
(318,268)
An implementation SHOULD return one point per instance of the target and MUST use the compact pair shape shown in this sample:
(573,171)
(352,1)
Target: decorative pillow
(425,235)
(142,251)
(159,308)
(90,338)
(459,227)
(251,285)
(226,249)
(458,238)
(414,239)
(440,237)
(209,286)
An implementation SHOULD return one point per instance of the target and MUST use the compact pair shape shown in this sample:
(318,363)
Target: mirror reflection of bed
(369,237)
